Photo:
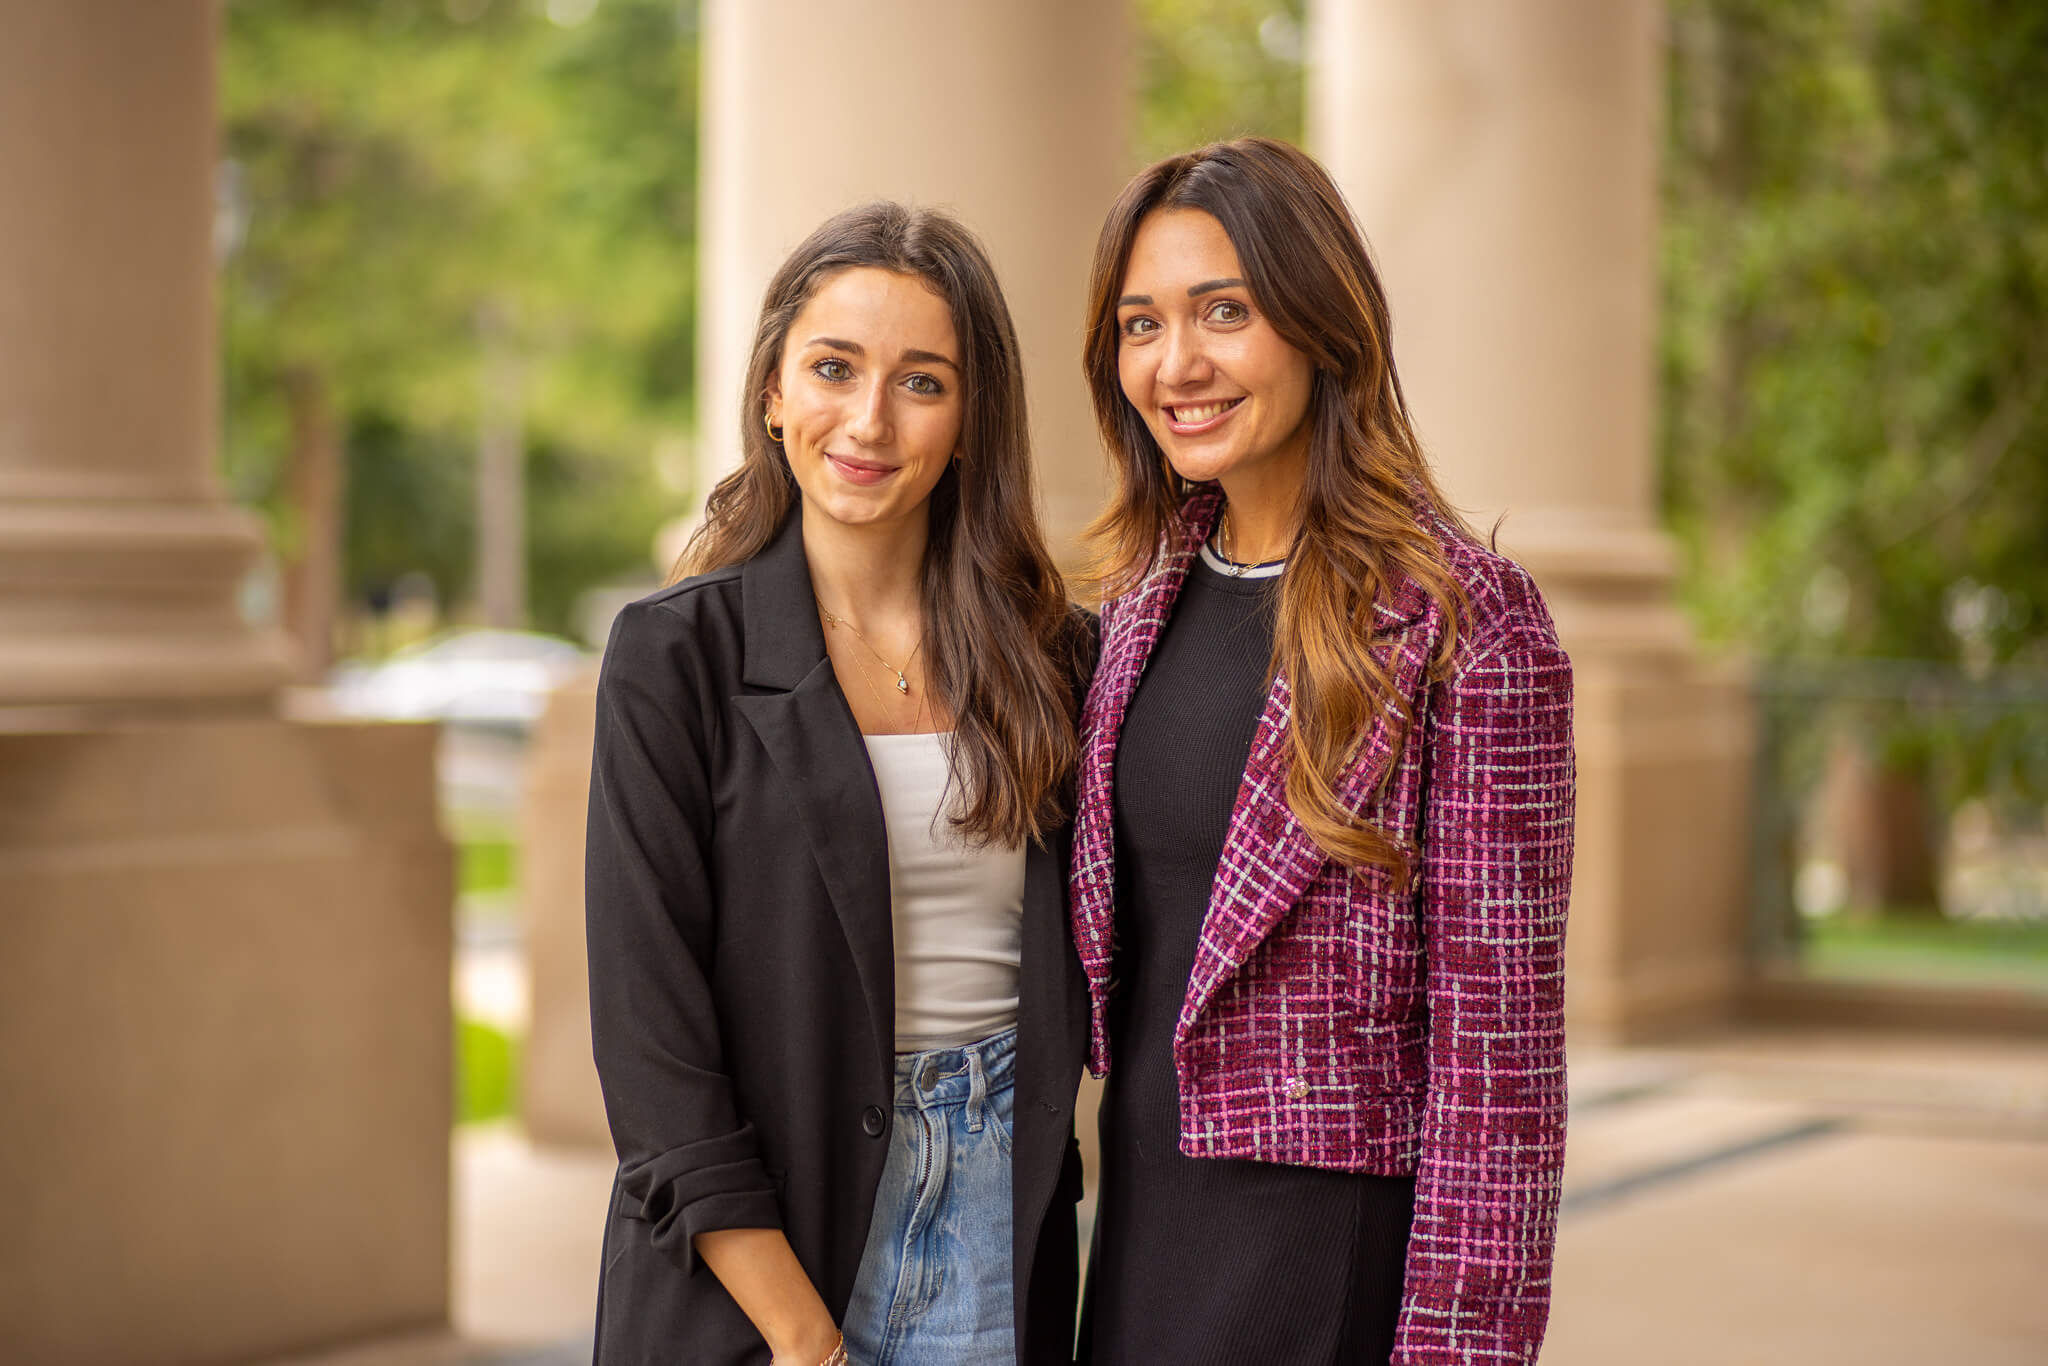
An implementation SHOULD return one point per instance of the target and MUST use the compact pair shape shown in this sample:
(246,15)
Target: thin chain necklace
(1237,569)
(881,707)
(868,682)
(902,679)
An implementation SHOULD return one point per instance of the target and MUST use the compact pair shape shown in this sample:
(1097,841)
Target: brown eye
(833,370)
(1228,311)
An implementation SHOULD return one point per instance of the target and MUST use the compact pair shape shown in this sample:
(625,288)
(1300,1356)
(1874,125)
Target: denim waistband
(956,1076)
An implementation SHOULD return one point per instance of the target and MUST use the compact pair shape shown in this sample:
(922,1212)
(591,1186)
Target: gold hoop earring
(774,432)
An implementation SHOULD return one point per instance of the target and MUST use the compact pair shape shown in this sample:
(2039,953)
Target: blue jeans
(934,1285)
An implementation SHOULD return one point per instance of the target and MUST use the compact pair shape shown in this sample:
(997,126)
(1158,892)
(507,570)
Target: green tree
(1855,364)
(1855,361)
(415,190)
(1213,69)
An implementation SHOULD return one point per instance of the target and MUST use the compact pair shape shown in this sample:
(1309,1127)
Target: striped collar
(1271,569)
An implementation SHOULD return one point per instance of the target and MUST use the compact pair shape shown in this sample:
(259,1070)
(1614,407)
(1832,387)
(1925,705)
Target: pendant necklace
(902,680)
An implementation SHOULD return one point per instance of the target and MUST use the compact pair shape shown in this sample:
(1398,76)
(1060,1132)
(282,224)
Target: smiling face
(869,397)
(1225,396)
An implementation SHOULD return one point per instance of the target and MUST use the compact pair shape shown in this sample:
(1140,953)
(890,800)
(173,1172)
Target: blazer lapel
(1269,858)
(811,737)
(1130,627)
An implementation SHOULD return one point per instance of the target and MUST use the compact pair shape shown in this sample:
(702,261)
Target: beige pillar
(559,1097)
(224,937)
(1502,158)
(1015,117)
(120,557)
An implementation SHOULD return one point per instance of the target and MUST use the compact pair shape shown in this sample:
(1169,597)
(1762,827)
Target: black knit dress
(1206,1261)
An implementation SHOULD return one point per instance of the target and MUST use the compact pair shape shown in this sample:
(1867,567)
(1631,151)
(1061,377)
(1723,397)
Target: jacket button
(1297,1087)
(871,1121)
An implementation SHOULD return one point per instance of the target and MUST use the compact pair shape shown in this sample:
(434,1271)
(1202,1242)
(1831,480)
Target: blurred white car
(483,678)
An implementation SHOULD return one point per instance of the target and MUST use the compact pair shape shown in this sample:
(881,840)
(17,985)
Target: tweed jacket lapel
(1268,859)
(1130,627)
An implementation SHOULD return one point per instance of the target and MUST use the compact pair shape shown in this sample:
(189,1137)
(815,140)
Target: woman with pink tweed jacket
(1324,834)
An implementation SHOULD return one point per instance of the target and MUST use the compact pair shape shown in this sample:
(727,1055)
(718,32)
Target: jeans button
(871,1121)
(928,1075)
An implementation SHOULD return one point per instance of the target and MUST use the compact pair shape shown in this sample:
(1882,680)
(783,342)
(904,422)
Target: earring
(774,432)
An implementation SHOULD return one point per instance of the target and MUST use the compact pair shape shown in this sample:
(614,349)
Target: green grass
(2005,953)
(486,863)
(486,1072)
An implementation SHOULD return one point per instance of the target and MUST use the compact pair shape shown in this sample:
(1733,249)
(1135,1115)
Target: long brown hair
(1361,529)
(1001,642)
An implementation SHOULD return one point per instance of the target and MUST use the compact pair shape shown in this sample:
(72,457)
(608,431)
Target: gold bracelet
(838,1354)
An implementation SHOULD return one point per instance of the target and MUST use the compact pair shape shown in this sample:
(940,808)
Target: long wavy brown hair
(1363,504)
(1002,644)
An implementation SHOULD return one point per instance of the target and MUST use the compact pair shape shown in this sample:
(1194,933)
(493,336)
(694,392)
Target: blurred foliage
(485,866)
(402,174)
(408,183)
(1214,69)
(1855,344)
(410,504)
(1854,366)
(487,1061)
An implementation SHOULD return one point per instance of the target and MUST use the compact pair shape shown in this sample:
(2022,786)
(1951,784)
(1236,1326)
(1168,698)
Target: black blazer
(742,988)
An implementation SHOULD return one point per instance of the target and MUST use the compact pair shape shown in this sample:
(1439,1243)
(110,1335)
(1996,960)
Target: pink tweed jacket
(1332,1021)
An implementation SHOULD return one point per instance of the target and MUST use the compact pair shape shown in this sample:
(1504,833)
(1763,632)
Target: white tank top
(958,911)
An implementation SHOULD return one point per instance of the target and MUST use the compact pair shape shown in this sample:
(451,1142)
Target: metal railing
(1898,824)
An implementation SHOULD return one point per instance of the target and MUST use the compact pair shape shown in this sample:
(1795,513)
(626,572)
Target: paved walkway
(1804,1199)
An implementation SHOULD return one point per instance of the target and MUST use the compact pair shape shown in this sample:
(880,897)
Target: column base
(1659,912)
(113,604)
(559,1096)
(224,1001)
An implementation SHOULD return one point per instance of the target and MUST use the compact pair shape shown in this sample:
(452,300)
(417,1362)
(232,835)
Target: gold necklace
(1238,568)
(881,707)
(902,680)
(1223,527)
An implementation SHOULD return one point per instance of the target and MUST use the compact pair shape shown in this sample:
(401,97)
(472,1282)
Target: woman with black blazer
(837,1016)
(1324,831)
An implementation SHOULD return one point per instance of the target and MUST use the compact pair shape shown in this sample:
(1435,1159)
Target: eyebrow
(1194,292)
(913,355)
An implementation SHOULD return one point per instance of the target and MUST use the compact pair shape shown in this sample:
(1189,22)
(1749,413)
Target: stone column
(1502,159)
(1015,117)
(559,1097)
(120,557)
(224,937)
